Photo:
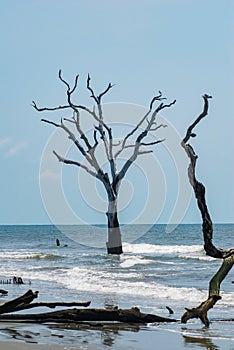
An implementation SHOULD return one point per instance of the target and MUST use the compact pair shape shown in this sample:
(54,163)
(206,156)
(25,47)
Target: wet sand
(177,337)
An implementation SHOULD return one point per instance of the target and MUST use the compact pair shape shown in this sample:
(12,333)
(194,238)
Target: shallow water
(156,270)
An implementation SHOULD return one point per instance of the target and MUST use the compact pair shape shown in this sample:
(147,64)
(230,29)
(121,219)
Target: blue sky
(182,47)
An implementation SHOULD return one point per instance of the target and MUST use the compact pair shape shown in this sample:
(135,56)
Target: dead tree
(103,133)
(207,227)
(133,315)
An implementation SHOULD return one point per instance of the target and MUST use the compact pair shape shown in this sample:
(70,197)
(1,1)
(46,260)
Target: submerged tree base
(207,228)
(114,250)
(201,310)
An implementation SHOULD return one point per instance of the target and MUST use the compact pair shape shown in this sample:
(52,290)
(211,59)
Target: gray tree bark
(103,134)
(207,228)
(133,315)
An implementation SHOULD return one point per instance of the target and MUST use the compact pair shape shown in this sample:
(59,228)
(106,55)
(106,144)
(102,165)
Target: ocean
(157,269)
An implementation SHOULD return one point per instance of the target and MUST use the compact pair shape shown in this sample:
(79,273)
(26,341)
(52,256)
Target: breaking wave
(28,255)
(144,248)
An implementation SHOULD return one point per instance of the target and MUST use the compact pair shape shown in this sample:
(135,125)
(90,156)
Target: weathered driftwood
(207,228)
(25,302)
(3,292)
(72,315)
(78,315)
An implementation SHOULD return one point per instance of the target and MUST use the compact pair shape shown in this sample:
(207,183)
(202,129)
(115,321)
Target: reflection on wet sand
(202,342)
(108,331)
(27,336)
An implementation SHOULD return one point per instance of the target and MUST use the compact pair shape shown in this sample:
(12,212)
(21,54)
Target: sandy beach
(23,346)
(147,275)
(164,336)
(143,340)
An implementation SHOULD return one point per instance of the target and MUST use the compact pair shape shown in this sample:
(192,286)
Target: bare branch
(91,90)
(162,106)
(144,152)
(199,118)
(51,305)
(150,122)
(117,143)
(130,134)
(64,81)
(151,143)
(99,97)
(48,108)
(105,91)
(75,84)
(50,122)
(71,136)
(158,127)
(141,136)
(156,98)
(72,162)
(70,120)
(76,118)
(108,143)
(93,148)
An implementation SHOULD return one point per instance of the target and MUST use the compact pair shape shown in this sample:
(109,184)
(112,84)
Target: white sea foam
(130,261)
(202,256)
(27,255)
(111,283)
(144,248)
(116,282)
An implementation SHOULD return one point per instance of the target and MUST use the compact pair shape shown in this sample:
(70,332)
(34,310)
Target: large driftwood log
(78,315)
(207,228)
(72,315)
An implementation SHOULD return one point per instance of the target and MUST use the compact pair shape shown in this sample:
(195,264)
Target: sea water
(158,269)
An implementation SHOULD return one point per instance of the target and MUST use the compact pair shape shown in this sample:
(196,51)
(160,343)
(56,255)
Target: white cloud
(16,149)
(4,141)
(49,175)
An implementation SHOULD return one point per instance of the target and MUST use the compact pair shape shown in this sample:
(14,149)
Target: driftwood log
(207,228)
(25,302)
(132,315)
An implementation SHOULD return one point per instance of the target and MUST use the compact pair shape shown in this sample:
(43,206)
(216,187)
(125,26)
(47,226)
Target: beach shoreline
(176,337)
(148,275)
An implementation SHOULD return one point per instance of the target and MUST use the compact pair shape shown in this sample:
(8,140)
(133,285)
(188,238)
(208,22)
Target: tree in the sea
(103,133)
(227,256)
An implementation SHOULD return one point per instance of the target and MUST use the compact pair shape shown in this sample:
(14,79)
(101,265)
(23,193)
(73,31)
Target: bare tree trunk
(114,243)
(103,134)
(207,228)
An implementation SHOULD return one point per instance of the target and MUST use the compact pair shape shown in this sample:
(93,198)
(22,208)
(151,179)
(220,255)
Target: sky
(183,48)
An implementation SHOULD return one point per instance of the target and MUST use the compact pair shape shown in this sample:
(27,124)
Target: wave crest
(27,255)
(144,248)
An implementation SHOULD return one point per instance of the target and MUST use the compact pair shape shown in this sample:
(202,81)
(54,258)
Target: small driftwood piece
(3,292)
(133,315)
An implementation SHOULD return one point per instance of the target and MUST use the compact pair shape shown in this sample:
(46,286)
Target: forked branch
(73,162)
(150,118)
